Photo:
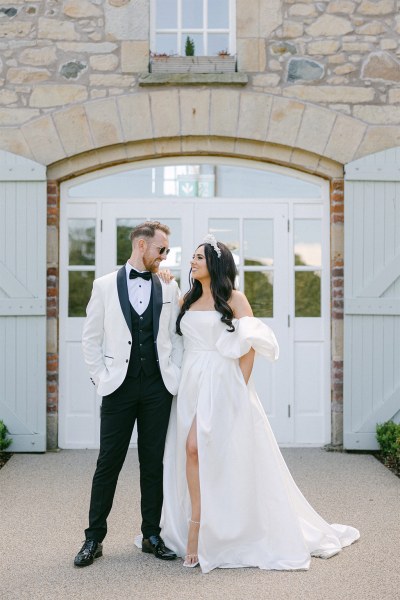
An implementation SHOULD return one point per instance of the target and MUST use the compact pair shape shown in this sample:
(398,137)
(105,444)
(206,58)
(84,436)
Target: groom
(133,356)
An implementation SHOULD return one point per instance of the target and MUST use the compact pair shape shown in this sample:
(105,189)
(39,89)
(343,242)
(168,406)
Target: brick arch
(196,120)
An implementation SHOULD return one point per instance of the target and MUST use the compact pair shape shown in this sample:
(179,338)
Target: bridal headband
(210,239)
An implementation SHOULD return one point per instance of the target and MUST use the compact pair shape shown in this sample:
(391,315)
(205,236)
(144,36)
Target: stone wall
(341,54)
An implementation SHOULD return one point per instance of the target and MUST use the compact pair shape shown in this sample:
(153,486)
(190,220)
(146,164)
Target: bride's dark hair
(223,272)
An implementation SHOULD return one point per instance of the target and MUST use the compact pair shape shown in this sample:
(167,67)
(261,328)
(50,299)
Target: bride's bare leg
(192,475)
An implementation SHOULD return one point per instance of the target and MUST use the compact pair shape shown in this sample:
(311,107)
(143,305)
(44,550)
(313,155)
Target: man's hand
(165,275)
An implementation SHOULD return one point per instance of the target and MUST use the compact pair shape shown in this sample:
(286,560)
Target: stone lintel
(148,79)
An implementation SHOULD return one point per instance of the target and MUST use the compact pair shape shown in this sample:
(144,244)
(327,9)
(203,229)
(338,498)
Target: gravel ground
(43,507)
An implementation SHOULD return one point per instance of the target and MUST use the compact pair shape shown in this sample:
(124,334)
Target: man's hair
(148,230)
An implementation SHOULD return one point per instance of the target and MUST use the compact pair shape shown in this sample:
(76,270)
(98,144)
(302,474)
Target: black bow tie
(145,275)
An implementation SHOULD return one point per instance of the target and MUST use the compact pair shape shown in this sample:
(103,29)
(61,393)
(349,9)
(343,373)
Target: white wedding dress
(252,512)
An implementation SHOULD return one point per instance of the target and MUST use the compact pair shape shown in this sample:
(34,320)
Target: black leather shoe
(89,551)
(155,545)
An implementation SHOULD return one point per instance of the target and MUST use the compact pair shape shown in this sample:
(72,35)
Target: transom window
(208,23)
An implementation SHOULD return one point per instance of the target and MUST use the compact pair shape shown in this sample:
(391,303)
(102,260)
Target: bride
(229,498)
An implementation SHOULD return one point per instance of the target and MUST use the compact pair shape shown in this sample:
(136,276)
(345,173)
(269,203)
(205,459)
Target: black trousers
(146,399)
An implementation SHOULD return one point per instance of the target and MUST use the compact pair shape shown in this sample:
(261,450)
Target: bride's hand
(165,275)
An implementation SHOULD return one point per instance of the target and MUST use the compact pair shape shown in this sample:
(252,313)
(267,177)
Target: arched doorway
(276,222)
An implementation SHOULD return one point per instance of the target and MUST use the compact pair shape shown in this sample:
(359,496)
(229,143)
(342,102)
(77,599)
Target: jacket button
(127,360)
(129,343)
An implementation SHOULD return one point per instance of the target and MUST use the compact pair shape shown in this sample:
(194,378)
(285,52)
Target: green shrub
(5,441)
(189,46)
(388,436)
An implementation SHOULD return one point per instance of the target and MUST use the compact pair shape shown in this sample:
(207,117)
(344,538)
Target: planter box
(193,64)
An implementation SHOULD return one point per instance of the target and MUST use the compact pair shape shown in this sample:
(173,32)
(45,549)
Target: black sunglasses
(162,250)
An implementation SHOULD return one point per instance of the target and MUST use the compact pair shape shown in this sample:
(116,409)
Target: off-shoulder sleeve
(249,333)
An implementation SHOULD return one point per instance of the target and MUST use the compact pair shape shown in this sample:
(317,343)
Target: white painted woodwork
(372,297)
(295,391)
(23,302)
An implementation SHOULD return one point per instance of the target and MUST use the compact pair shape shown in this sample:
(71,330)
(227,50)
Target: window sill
(148,79)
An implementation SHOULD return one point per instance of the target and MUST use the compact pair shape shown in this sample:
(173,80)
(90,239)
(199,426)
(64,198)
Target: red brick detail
(53,220)
(337,193)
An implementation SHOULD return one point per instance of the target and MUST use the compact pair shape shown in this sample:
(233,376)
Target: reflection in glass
(307,293)
(173,260)
(81,241)
(80,287)
(124,245)
(227,231)
(228,181)
(218,14)
(198,43)
(166,14)
(259,289)
(217,42)
(166,43)
(258,239)
(192,16)
(307,242)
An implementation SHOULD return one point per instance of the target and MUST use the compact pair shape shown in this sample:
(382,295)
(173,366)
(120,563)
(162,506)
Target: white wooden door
(23,302)
(372,297)
(258,238)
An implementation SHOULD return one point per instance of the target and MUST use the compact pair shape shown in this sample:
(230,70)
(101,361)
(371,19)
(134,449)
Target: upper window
(209,25)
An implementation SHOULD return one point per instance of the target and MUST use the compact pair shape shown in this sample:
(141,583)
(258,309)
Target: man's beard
(151,265)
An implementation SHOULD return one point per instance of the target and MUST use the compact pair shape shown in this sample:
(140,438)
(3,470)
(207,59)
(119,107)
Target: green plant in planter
(5,441)
(388,436)
(189,46)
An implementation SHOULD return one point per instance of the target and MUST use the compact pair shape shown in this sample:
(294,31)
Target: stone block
(15,29)
(134,56)
(330,94)
(323,47)
(306,161)
(304,69)
(73,130)
(57,95)
(378,115)
(104,62)
(224,112)
(381,65)
(376,8)
(38,57)
(341,6)
(81,9)
(91,48)
(195,111)
(270,16)
(345,69)
(344,139)
(372,28)
(362,47)
(165,113)
(378,138)
(135,116)
(315,129)
(104,123)
(394,96)
(8,97)
(329,25)
(302,10)
(12,140)
(52,431)
(251,54)
(111,80)
(266,80)
(19,75)
(284,121)
(42,138)
(16,116)
(254,113)
(247,18)
(129,21)
(388,44)
(292,29)
(54,29)
(52,323)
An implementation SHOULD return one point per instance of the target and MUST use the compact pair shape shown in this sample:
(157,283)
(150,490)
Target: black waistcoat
(143,354)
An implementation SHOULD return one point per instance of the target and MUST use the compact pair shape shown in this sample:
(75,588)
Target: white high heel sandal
(190,557)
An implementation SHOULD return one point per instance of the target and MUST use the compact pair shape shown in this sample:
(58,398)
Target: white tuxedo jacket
(107,338)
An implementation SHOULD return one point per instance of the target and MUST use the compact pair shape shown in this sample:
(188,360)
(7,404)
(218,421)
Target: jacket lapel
(157,304)
(124,296)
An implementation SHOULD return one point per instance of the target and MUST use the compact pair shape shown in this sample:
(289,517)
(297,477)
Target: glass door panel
(258,240)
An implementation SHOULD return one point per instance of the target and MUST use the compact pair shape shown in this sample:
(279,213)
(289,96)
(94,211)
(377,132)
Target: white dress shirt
(139,290)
